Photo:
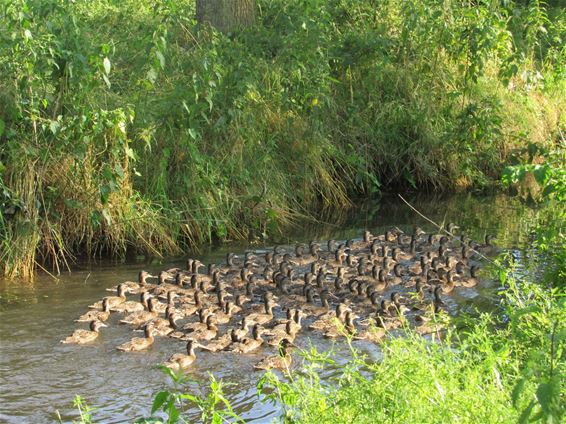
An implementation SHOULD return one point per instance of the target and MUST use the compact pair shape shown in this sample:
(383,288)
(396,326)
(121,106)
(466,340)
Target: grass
(127,128)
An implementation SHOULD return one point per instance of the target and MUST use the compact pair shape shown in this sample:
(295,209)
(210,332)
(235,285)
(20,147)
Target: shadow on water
(39,376)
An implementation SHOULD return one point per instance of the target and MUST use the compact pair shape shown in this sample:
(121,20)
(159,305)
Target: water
(39,377)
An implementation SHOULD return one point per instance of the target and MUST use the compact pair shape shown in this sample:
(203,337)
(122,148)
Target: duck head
(143,276)
(96,325)
(121,291)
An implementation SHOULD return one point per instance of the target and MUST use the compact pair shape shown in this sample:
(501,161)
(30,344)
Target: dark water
(39,377)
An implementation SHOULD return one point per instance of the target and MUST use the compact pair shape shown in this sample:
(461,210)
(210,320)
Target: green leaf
(119,170)
(104,193)
(524,418)
(160,399)
(542,174)
(2,126)
(106,80)
(161,59)
(107,65)
(54,127)
(151,75)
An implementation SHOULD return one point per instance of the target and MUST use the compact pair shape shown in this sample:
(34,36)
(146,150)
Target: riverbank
(128,130)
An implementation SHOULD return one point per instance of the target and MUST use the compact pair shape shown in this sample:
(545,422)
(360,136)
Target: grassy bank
(125,128)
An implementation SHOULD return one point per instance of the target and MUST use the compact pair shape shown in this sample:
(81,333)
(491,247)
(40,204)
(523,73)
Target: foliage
(126,128)
(506,368)
(173,402)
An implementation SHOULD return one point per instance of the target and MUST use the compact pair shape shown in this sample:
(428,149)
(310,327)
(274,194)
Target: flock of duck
(361,287)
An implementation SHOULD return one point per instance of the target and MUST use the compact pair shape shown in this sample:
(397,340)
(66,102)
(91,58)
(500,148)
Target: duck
(242,332)
(188,309)
(312,309)
(112,300)
(163,287)
(165,326)
(249,345)
(472,280)
(399,255)
(96,315)
(265,317)
(131,306)
(281,361)
(430,322)
(224,317)
(221,343)
(139,343)
(196,326)
(180,361)
(208,333)
(289,333)
(372,334)
(348,327)
(327,321)
(134,287)
(142,317)
(302,259)
(85,336)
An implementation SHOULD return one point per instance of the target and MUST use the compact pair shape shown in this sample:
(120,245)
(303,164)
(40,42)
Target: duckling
(261,307)
(96,315)
(397,303)
(112,300)
(417,268)
(281,361)
(382,282)
(85,336)
(249,345)
(139,343)
(180,361)
(142,317)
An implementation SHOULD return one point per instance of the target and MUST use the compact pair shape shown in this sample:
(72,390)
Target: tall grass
(126,127)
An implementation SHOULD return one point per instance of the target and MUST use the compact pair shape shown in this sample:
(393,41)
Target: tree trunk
(226,15)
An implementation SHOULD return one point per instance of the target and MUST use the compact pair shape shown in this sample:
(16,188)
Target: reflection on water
(39,376)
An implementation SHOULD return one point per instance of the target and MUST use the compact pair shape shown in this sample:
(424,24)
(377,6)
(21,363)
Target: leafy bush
(126,128)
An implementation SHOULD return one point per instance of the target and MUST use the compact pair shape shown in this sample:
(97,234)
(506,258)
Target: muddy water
(39,377)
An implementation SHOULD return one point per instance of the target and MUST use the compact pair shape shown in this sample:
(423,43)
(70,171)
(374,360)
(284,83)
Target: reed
(126,127)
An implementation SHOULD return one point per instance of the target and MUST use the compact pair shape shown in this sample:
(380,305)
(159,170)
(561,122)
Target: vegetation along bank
(125,127)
